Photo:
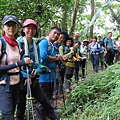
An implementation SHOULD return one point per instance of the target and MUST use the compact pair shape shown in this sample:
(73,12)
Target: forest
(98,96)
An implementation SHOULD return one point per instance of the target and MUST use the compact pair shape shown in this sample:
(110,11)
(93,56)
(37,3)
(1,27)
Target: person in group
(74,56)
(10,64)
(77,36)
(48,59)
(101,55)
(84,53)
(60,69)
(77,60)
(109,49)
(29,31)
(77,63)
(115,49)
(95,49)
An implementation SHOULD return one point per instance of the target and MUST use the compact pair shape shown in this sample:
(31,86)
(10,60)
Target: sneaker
(83,77)
(60,95)
(67,90)
(54,97)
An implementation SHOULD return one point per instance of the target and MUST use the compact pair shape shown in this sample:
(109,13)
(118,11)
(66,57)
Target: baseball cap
(99,35)
(28,22)
(9,18)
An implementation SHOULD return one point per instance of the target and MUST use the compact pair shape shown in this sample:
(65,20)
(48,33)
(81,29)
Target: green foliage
(97,97)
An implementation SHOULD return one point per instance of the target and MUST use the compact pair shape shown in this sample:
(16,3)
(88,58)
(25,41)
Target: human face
(61,38)
(109,35)
(54,35)
(30,31)
(94,40)
(10,29)
(68,42)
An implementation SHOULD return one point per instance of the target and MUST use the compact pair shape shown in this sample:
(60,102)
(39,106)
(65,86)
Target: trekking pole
(29,94)
(61,84)
(86,67)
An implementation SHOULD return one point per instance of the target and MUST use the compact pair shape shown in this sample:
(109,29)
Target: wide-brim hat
(86,40)
(28,22)
(9,18)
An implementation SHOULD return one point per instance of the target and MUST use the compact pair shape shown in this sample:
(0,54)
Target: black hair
(95,37)
(79,43)
(55,27)
(70,38)
(109,32)
(65,34)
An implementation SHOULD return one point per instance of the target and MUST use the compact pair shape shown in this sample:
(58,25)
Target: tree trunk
(64,19)
(92,14)
(76,6)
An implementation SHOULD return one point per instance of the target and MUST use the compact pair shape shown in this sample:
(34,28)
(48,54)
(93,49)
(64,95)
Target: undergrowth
(96,98)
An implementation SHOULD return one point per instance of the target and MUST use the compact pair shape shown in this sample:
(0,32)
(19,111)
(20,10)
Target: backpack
(102,42)
(3,51)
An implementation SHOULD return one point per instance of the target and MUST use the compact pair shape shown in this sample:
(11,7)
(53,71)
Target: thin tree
(76,6)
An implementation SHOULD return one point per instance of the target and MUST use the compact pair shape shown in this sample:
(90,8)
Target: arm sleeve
(5,68)
(62,53)
(43,49)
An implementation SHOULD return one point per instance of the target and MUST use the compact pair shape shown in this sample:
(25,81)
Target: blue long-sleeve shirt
(46,49)
(96,47)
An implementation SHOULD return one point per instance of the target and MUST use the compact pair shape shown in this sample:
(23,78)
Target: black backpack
(103,42)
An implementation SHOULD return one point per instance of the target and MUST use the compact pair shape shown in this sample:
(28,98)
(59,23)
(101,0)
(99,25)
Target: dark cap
(65,33)
(9,18)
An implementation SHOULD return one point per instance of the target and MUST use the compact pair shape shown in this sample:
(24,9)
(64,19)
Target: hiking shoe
(60,95)
(54,97)
(67,90)
(83,77)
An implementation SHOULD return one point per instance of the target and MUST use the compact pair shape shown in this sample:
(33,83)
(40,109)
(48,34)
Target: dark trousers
(82,64)
(39,95)
(109,57)
(8,101)
(58,85)
(48,89)
(76,72)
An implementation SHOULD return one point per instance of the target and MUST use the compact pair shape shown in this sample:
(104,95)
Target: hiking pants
(82,65)
(8,101)
(39,95)
(109,57)
(95,59)
(76,72)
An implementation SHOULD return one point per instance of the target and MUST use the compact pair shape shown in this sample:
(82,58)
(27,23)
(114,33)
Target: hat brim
(10,21)
(30,24)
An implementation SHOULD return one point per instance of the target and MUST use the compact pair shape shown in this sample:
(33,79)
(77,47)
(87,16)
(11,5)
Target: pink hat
(28,22)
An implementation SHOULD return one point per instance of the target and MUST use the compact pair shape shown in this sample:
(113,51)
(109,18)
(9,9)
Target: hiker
(77,63)
(60,69)
(95,49)
(74,56)
(101,55)
(48,58)
(109,49)
(77,59)
(84,54)
(29,30)
(10,64)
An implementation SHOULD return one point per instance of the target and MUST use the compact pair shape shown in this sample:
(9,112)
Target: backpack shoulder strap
(50,45)
(3,51)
